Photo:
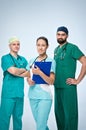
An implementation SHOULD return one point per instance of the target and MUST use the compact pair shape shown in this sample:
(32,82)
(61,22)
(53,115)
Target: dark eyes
(16,44)
(60,34)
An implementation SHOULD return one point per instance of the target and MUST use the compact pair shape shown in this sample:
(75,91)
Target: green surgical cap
(13,39)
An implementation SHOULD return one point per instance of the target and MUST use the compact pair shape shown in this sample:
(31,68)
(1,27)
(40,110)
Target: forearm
(20,71)
(48,79)
(83,69)
(82,74)
(16,71)
(25,74)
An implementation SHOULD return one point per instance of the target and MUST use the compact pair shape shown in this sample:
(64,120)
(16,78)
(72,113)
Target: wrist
(40,72)
(77,81)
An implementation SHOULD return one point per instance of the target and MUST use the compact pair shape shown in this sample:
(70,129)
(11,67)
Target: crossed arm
(21,72)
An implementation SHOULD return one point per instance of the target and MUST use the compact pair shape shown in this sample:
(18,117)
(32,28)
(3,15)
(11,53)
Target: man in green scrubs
(66,56)
(12,97)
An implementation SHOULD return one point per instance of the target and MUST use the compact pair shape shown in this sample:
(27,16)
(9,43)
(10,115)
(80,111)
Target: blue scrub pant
(41,109)
(14,107)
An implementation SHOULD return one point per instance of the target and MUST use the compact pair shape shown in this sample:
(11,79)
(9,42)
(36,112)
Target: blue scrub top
(35,91)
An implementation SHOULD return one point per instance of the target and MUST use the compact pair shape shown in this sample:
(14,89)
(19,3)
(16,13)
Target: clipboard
(45,67)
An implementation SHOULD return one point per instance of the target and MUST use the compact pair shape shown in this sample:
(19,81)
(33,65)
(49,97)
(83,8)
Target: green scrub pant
(41,109)
(66,108)
(14,107)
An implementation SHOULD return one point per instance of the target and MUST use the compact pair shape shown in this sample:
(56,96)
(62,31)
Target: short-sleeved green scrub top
(41,91)
(66,57)
(13,86)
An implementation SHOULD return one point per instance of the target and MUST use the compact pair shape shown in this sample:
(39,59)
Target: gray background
(29,19)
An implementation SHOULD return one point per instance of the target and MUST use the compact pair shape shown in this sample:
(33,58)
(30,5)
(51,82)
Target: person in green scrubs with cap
(12,96)
(66,105)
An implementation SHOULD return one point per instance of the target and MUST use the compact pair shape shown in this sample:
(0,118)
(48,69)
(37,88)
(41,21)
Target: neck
(14,54)
(42,57)
(62,44)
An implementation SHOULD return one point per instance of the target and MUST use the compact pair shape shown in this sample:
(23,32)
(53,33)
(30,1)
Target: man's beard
(61,41)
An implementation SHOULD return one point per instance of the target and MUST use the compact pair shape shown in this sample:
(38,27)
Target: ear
(67,36)
(9,45)
(47,46)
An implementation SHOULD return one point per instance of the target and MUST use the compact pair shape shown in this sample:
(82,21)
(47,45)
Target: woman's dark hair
(43,38)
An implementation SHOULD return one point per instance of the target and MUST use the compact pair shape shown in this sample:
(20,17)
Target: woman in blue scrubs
(40,95)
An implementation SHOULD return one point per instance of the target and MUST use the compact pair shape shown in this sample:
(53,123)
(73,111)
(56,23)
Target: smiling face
(61,37)
(41,46)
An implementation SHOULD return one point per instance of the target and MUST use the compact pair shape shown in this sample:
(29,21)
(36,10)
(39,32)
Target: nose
(60,36)
(40,47)
(17,45)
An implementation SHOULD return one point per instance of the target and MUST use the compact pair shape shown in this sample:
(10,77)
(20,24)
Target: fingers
(30,82)
(69,81)
(35,70)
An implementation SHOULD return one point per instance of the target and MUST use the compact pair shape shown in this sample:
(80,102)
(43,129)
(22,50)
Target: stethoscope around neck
(43,60)
(63,53)
(17,61)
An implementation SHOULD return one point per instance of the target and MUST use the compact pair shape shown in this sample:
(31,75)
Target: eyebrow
(61,33)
